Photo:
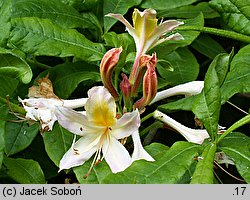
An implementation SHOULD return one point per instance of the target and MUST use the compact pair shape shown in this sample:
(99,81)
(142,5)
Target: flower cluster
(147,33)
(105,121)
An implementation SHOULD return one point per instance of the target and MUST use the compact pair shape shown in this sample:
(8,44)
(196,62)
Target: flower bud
(125,87)
(109,61)
(149,85)
(146,61)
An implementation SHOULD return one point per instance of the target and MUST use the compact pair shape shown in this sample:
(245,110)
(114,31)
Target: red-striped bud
(149,83)
(126,87)
(145,62)
(109,61)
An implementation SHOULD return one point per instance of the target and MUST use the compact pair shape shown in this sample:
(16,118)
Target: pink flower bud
(146,61)
(109,61)
(149,83)
(126,87)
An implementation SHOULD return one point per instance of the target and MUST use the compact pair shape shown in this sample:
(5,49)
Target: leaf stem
(215,31)
(236,125)
(147,117)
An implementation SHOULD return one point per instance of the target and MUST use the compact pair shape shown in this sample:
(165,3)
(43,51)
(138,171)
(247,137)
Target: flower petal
(73,158)
(187,89)
(126,125)
(139,151)
(167,26)
(192,135)
(119,17)
(116,155)
(100,107)
(75,122)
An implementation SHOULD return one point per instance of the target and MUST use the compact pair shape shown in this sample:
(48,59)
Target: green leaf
(239,123)
(189,36)
(14,66)
(236,146)
(181,104)
(165,4)
(5,14)
(3,113)
(8,85)
(59,13)
(243,7)
(36,151)
(185,65)
(169,166)
(206,106)
(204,169)
(117,7)
(235,16)
(221,64)
(102,170)
(207,46)
(57,142)
(189,11)
(24,171)
(19,136)
(123,40)
(238,78)
(66,77)
(42,37)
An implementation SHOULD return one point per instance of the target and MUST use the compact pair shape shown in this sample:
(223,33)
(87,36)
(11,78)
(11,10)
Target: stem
(156,124)
(147,117)
(116,78)
(236,125)
(215,31)
(14,107)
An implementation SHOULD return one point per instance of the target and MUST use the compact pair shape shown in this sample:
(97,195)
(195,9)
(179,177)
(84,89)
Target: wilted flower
(43,109)
(100,131)
(40,106)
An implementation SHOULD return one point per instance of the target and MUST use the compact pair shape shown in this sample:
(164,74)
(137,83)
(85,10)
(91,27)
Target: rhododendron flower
(43,109)
(192,135)
(100,133)
(187,89)
(147,33)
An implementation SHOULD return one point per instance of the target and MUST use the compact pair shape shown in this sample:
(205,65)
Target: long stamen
(97,159)
(93,163)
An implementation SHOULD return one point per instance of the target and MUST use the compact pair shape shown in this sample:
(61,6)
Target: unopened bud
(149,86)
(126,87)
(109,61)
(146,61)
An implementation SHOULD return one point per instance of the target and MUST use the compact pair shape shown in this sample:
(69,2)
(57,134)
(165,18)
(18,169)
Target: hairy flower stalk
(192,135)
(109,61)
(147,33)
(149,81)
(187,89)
(100,133)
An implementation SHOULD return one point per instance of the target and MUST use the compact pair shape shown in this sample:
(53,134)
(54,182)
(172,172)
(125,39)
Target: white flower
(187,89)
(145,30)
(192,135)
(100,131)
(43,109)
